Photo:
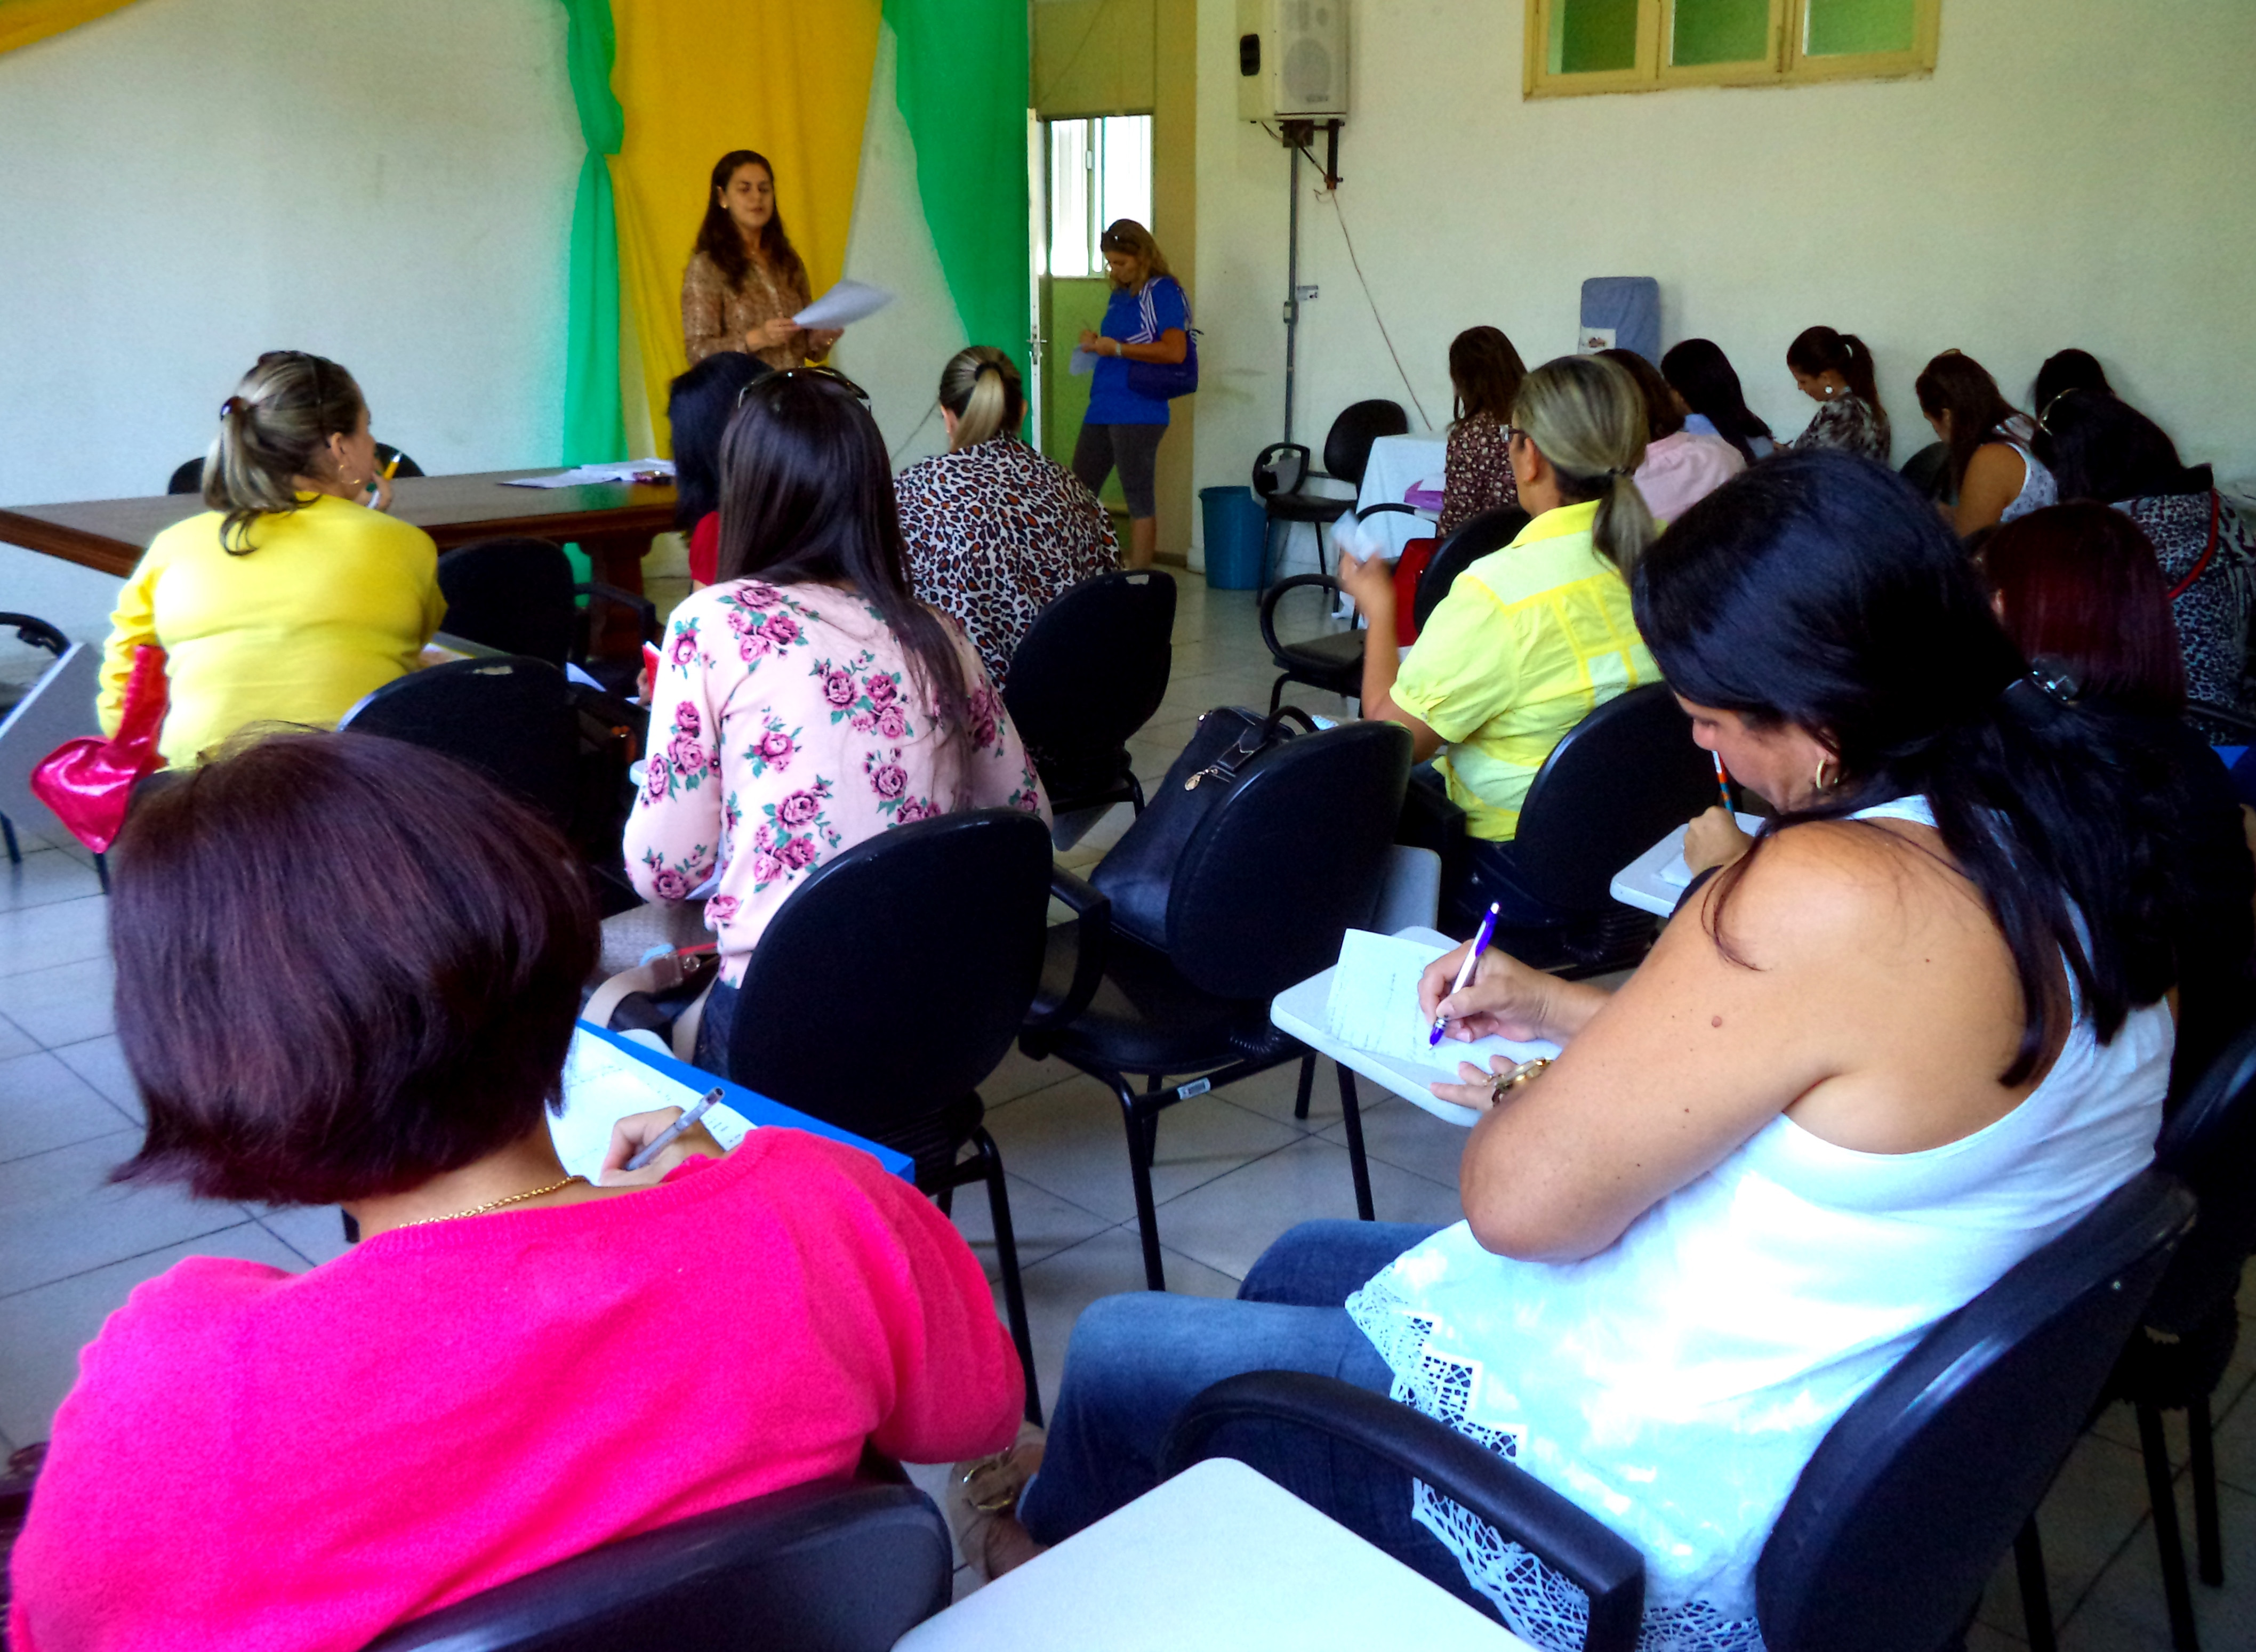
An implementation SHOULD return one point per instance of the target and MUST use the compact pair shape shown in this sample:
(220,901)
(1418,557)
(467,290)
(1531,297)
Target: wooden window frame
(1787,64)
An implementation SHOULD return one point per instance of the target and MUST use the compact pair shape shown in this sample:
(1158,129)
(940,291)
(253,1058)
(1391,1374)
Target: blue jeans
(1137,1360)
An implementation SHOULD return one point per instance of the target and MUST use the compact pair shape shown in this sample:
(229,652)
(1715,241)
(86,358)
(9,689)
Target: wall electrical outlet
(1304,294)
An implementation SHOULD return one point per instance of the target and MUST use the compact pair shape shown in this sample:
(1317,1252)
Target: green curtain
(960,81)
(595,427)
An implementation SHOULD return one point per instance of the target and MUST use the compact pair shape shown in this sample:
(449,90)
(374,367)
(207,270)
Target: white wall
(2074,172)
(187,183)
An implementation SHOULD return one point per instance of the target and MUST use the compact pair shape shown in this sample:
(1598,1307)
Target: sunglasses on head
(767,382)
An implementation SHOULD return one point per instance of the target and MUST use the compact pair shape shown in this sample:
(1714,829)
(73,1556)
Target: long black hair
(1703,375)
(807,497)
(1822,590)
(699,405)
(2100,447)
(2066,370)
(719,239)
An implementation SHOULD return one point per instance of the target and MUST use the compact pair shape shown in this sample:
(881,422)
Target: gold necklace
(494,1203)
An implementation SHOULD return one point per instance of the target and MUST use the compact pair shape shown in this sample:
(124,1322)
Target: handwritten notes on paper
(602,1084)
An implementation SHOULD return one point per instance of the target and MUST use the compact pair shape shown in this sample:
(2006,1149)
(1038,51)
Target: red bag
(89,781)
(1411,569)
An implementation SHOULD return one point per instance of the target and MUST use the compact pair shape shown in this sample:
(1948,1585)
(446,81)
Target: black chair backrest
(1291,860)
(514,594)
(511,718)
(896,977)
(1476,537)
(189,478)
(1347,446)
(1279,467)
(2210,1144)
(1917,1492)
(1929,470)
(1093,667)
(1623,778)
(1248,1417)
(833,1566)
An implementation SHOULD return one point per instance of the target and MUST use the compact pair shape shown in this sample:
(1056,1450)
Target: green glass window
(1718,32)
(1853,28)
(1592,35)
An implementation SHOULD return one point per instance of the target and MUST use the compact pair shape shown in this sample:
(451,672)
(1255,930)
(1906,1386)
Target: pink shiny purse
(89,781)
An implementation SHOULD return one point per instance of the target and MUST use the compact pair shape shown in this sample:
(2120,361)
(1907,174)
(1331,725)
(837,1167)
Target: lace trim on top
(1536,1603)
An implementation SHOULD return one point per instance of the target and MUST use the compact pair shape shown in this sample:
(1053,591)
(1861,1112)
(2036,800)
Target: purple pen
(1481,938)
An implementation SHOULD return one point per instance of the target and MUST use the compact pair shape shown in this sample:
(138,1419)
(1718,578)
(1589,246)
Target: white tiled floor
(1235,1169)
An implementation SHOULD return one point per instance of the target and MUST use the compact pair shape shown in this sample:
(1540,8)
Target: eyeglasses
(767,382)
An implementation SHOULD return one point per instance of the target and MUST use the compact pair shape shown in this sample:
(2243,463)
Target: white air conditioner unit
(1291,60)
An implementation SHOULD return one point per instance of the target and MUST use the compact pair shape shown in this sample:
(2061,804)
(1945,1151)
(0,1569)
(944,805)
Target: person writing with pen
(1919,1030)
(513,1365)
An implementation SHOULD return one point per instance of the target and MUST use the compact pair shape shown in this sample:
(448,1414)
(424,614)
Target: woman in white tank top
(1995,474)
(1910,1037)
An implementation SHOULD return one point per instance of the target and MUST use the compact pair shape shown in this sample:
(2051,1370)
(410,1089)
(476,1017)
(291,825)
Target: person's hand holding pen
(637,1131)
(379,497)
(1714,839)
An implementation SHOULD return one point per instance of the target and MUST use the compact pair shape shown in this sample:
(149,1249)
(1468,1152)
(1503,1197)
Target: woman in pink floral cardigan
(807,700)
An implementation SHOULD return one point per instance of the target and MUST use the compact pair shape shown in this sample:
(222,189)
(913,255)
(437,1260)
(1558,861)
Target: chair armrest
(1267,613)
(643,606)
(1094,909)
(1595,1559)
(1384,506)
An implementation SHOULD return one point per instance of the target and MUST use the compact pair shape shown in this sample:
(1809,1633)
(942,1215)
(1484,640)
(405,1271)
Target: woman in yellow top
(292,597)
(1531,638)
(746,280)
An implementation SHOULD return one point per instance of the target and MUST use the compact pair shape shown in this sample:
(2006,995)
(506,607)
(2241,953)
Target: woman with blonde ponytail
(1530,639)
(294,595)
(994,530)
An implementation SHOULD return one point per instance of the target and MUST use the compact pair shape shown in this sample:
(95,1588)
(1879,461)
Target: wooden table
(1218,1559)
(613,523)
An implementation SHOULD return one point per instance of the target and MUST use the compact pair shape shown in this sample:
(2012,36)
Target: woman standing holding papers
(1148,320)
(746,280)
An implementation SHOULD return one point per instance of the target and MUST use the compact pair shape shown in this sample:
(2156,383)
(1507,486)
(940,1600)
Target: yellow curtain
(24,21)
(698,78)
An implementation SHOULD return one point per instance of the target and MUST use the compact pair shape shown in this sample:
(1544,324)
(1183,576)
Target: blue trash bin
(1237,533)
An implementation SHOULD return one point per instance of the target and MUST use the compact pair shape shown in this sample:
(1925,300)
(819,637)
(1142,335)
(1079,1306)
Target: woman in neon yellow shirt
(290,598)
(1531,638)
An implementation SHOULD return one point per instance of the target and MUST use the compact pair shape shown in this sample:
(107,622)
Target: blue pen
(1481,938)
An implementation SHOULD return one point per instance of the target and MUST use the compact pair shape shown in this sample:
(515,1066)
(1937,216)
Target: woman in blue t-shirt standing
(1147,321)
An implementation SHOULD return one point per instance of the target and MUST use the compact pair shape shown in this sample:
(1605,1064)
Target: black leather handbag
(1137,874)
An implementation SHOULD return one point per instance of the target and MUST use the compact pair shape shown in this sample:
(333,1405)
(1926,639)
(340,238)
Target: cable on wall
(1332,195)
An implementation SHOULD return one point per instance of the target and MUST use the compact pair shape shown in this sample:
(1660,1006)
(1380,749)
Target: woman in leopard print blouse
(996,532)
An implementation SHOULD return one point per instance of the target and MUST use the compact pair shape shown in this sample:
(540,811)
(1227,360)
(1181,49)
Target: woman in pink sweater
(347,974)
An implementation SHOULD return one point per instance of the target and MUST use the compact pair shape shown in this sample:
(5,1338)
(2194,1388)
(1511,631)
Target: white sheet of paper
(583,476)
(845,304)
(1081,364)
(602,1084)
(1373,1003)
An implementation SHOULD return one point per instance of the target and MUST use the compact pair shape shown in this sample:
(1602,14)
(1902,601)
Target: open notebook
(1363,1012)
(602,1084)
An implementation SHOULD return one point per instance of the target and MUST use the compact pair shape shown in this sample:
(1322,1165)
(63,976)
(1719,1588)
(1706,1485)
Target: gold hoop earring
(1822,781)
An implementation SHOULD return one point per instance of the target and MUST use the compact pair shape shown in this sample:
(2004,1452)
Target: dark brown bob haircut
(345,965)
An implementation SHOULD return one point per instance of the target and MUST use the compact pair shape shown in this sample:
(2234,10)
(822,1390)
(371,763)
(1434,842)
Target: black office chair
(33,633)
(2186,1338)
(1477,536)
(508,718)
(1929,470)
(1913,1496)
(1281,472)
(835,1566)
(1088,673)
(1315,652)
(1623,778)
(1262,894)
(517,596)
(189,478)
(941,923)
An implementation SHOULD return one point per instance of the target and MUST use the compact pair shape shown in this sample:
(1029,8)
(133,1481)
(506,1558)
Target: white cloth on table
(1397,464)
(1676,1383)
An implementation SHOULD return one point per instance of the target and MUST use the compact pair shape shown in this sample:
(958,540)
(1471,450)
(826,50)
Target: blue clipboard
(757,1108)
